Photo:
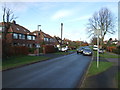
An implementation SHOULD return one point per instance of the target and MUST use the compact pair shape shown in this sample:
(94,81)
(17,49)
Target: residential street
(61,72)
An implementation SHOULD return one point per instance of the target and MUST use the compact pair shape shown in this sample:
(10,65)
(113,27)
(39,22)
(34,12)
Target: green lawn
(106,55)
(103,66)
(62,53)
(73,50)
(21,60)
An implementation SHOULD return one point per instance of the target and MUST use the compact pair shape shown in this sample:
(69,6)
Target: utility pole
(61,34)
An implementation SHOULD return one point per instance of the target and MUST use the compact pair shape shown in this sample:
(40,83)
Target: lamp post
(61,34)
(38,44)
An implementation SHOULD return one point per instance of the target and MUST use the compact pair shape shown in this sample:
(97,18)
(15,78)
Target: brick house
(19,35)
(58,41)
(44,41)
(43,38)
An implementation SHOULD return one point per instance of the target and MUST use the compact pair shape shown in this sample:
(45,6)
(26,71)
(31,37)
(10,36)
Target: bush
(117,50)
(31,50)
(111,48)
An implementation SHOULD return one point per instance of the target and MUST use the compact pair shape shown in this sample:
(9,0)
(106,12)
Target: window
(33,37)
(23,36)
(20,36)
(15,36)
(29,37)
(14,44)
(46,39)
(18,29)
(34,33)
(2,28)
(51,40)
(24,30)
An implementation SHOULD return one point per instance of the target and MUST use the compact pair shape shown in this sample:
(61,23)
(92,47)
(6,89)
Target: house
(18,35)
(45,42)
(58,41)
(43,38)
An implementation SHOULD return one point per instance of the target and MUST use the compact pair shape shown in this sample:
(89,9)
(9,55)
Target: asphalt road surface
(61,72)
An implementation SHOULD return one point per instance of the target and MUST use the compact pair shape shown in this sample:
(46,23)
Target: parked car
(101,50)
(80,50)
(87,51)
(63,49)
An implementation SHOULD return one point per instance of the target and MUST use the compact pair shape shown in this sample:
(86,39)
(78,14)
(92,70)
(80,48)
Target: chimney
(14,22)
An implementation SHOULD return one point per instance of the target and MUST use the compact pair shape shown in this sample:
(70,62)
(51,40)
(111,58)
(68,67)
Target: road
(61,72)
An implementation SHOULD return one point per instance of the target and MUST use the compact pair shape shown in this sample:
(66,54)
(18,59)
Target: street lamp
(38,44)
(61,34)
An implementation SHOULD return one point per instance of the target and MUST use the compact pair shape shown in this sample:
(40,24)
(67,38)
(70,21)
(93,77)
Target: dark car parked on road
(87,51)
(80,50)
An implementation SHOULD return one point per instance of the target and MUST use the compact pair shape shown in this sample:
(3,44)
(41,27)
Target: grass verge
(103,66)
(106,55)
(62,53)
(21,60)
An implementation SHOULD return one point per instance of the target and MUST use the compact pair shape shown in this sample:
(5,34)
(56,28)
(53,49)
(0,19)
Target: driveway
(61,72)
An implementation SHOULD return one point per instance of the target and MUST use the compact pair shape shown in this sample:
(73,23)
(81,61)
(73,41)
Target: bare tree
(103,21)
(8,16)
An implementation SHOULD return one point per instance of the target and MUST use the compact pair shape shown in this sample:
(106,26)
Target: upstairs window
(23,36)
(15,36)
(46,39)
(33,37)
(20,36)
(24,30)
(29,37)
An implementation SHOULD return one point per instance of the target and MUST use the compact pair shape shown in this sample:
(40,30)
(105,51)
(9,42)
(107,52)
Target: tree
(94,41)
(103,21)
(8,16)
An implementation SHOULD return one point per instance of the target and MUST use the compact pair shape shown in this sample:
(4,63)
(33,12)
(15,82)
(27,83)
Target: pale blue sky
(73,15)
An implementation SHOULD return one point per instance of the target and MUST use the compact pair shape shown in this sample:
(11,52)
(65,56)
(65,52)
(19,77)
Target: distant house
(58,41)
(43,38)
(18,35)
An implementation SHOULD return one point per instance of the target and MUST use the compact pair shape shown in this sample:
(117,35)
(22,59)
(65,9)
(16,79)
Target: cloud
(80,18)
(61,14)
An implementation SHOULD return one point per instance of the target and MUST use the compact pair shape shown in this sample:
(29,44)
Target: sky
(50,15)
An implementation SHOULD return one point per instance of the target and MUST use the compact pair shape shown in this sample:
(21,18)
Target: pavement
(105,79)
(60,72)
(52,55)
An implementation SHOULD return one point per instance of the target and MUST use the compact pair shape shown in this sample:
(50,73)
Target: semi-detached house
(43,38)
(19,35)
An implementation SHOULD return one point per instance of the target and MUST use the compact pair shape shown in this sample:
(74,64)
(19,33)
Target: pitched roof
(18,28)
(44,34)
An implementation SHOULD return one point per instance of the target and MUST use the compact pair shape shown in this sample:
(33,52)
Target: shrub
(111,48)
(117,50)
(31,50)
